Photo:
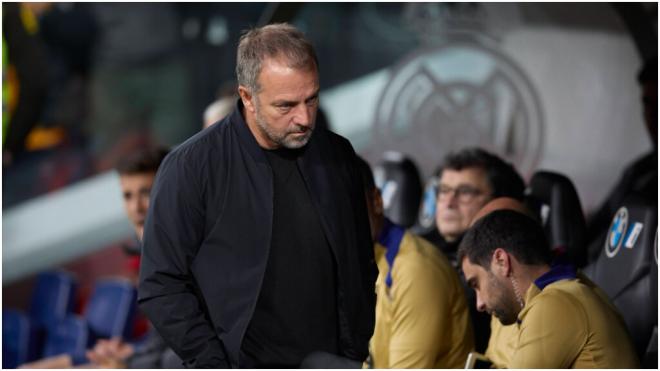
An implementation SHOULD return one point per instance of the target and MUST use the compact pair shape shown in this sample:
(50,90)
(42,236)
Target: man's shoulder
(420,256)
(420,249)
(207,143)
(563,297)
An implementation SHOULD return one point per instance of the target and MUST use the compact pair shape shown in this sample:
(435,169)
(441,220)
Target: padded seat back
(53,297)
(111,308)
(624,269)
(552,196)
(398,179)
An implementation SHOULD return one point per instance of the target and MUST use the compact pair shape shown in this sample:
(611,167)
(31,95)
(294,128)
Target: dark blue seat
(19,343)
(69,335)
(53,297)
(111,308)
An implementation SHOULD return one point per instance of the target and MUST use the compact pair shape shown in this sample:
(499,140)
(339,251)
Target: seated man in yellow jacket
(422,318)
(561,319)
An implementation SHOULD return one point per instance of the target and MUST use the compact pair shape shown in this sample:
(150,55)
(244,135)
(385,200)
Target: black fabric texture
(296,312)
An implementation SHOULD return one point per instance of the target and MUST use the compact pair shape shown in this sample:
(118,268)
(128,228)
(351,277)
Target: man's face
(461,194)
(135,189)
(495,294)
(285,107)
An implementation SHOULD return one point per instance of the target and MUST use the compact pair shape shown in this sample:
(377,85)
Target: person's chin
(297,140)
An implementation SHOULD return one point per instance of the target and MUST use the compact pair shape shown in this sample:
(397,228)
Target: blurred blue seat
(111,308)
(53,297)
(69,335)
(19,343)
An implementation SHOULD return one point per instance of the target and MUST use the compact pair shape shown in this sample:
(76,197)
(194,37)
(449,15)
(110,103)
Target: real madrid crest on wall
(459,90)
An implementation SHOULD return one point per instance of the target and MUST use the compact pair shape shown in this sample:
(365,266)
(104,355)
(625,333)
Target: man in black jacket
(256,247)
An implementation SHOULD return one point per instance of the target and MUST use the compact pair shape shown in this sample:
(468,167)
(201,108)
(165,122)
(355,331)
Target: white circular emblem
(616,233)
(460,94)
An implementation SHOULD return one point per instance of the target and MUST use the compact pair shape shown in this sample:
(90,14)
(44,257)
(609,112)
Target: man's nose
(303,116)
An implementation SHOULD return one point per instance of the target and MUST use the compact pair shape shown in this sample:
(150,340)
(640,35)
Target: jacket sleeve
(173,232)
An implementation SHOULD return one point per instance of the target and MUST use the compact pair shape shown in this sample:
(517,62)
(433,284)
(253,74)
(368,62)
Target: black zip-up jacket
(207,238)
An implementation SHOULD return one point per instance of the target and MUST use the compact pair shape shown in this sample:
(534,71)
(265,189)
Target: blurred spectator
(640,177)
(136,175)
(24,71)
(469,179)
(422,318)
(140,85)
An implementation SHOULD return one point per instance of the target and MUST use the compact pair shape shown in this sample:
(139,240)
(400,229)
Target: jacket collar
(248,141)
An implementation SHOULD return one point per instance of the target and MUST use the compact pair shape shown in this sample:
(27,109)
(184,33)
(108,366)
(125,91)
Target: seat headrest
(552,196)
(426,215)
(398,179)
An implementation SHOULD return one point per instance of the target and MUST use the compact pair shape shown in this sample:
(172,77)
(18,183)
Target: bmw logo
(616,232)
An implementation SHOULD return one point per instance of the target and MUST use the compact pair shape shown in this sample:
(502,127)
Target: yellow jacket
(422,319)
(570,323)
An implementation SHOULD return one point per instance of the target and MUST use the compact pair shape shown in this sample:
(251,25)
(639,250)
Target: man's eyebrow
(284,103)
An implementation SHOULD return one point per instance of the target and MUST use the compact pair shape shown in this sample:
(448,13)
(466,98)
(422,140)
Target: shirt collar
(557,272)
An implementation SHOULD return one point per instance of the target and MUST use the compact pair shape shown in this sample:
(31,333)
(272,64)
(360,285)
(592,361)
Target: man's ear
(247,98)
(501,262)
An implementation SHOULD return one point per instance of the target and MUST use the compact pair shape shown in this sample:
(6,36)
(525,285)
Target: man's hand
(111,353)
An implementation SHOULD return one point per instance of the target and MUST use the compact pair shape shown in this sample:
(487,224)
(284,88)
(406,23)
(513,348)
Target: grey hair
(279,40)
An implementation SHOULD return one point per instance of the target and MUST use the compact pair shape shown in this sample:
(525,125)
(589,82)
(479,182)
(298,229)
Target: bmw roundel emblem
(616,233)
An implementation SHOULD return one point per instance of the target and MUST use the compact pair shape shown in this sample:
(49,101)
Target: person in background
(562,320)
(136,176)
(641,177)
(422,317)
(239,204)
(469,179)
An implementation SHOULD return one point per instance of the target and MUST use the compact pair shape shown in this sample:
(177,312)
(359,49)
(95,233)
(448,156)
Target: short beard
(504,304)
(281,139)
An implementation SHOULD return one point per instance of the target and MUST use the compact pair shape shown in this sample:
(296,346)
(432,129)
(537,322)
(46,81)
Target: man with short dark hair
(561,319)
(257,249)
(136,177)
